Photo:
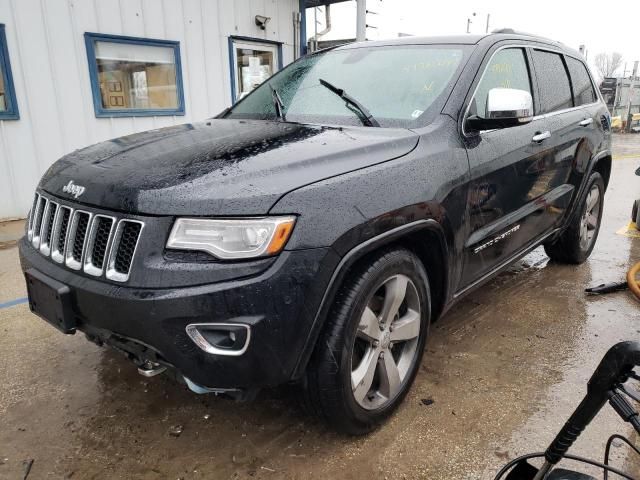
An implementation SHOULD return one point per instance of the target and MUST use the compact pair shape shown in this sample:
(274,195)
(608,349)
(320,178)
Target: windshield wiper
(364,114)
(277,103)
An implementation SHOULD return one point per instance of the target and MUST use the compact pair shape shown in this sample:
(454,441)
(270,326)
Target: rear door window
(583,90)
(506,69)
(553,82)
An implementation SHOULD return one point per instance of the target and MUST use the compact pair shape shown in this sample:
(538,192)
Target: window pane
(507,69)
(253,67)
(555,90)
(396,84)
(582,86)
(3,92)
(136,76)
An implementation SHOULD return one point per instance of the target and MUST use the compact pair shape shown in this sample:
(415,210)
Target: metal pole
(361,20)
(315,29)
(486,30)
(631,87)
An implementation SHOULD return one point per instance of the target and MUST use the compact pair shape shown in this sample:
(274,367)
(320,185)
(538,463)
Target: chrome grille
(97,245)
(77,239)
(94,243)
(41,204)
(46,227)
(120,259)
(60,233)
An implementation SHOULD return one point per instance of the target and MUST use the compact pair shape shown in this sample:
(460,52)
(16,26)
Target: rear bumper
(279,304)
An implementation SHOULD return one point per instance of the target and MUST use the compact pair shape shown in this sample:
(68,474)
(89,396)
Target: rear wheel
(575,244)
(367,357)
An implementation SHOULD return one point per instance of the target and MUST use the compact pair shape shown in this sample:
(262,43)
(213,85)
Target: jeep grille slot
(81,233)
(46,229)
(60,233)
(76,239)
(96,243)
(53,208)
(102,237)
(37,221)
(128,241)
(32,216)
(99,236)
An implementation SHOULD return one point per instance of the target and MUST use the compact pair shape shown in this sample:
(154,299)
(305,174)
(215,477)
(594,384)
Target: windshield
(397,84)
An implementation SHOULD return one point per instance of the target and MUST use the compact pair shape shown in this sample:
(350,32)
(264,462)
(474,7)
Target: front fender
(348,260)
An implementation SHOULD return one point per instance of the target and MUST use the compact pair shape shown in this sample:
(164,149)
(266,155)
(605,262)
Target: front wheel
(369,353)
(575,244)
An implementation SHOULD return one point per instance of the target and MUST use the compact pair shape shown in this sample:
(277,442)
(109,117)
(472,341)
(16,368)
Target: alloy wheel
(385,345)
(590,218)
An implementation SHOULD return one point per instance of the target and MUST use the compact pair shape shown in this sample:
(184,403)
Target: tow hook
(150,369)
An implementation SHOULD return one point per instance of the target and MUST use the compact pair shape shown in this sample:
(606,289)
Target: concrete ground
(501,374)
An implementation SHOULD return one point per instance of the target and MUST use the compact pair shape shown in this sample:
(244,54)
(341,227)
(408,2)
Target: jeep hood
(218,167)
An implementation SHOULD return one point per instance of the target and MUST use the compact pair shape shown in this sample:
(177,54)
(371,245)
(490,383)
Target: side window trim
(563,54)
(596,91)
(571,83)
(566,71)
(533,76)
(11,101)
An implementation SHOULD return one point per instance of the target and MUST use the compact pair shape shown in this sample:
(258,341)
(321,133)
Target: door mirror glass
(505,107)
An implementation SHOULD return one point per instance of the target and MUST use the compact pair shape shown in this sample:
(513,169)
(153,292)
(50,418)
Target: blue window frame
(268,58)
(134,77)
(8,102)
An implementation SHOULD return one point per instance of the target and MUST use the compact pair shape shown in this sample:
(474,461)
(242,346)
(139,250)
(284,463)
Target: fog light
(231,339)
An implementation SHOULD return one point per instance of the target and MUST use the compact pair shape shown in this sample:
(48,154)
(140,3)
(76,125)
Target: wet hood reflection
(219,167)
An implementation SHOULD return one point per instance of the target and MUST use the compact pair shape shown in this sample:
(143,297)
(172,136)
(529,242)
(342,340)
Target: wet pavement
(501,374)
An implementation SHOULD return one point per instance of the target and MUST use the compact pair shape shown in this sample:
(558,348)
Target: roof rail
(517,32)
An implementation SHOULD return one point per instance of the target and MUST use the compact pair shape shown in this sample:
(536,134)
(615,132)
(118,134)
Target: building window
(133,77)
(8,103)
(252,62)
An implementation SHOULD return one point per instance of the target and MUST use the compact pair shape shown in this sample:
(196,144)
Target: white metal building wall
(49,63)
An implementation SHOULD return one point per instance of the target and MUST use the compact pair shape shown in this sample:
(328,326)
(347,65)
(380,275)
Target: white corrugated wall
(51,77)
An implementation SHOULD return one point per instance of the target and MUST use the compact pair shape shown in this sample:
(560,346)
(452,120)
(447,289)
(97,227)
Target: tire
(348,339)
(576,242)
(635,211)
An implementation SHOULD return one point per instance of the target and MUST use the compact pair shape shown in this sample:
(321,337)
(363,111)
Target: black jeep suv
(314,230)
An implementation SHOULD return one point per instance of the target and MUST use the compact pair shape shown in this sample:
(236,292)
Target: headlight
(232,238)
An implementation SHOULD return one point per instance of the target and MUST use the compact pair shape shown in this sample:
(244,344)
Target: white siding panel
(9,205)
(197,67)
(70,104)
(272,10)
(174,30)
(51,76)
(108,16)
(21,167)
(39,82)
(84,19)
(131,18)
(217,76)
(153,19)
(244,21)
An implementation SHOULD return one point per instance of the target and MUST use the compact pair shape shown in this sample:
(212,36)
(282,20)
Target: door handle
(586,122)
(539,137)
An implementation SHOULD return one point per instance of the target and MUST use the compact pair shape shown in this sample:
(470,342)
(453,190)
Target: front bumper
(280,305)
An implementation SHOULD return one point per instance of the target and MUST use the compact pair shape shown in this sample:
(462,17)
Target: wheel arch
(602,165)
(426,238)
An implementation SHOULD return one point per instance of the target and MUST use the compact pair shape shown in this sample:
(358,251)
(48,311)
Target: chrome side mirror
(509,103)
(506,107)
